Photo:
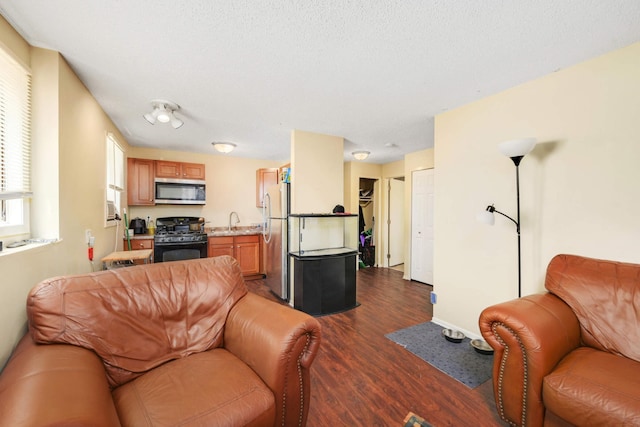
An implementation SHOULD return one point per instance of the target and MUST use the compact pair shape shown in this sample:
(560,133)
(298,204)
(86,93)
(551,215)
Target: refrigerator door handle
(266,233)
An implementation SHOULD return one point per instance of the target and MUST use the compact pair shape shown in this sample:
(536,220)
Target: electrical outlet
(87,236)
(434,297)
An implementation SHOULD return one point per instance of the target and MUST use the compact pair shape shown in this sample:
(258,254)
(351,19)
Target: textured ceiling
(372,71)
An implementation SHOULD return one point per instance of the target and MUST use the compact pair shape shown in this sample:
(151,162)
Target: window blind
(15,129)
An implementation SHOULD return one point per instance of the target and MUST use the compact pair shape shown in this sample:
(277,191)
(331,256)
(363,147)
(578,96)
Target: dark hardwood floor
(361,378)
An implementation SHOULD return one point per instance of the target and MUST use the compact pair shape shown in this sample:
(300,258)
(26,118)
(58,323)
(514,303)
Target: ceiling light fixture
(224,147)
(360,155)
(163,112)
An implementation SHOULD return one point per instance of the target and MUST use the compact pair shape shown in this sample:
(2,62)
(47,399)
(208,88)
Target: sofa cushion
(212,388)
(593,387)
(605,296)
(137,318)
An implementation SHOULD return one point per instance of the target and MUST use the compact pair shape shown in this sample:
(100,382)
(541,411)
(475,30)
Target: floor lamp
(515,149)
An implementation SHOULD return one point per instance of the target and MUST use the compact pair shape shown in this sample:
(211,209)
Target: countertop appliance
(138,225)
(179,238)
(276,217)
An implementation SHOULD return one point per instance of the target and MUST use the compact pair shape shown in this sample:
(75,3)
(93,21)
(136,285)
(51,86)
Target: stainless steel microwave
(171,191)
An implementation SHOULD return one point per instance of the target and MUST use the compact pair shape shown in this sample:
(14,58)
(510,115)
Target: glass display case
(323,250)
(322,234)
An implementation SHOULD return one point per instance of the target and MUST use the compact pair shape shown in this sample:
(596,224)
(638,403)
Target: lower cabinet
(219,246)
(245,249)
(138,243)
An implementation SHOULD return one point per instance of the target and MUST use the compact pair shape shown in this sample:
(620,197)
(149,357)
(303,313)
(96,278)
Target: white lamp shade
(150,117)
(224,147)
(486,217)
(517,147)
(176,122)
(163,115)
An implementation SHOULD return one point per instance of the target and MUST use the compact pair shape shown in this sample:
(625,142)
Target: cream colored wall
(231,186)
(579,186)
(75,150)
(14,44)
(393,169)
(423,159)
(45,153)
(418,160)
(317,172)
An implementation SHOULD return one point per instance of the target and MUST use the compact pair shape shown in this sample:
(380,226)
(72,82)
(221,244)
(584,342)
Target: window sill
(31,244)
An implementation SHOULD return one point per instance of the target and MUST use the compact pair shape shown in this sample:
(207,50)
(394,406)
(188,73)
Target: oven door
(165,252)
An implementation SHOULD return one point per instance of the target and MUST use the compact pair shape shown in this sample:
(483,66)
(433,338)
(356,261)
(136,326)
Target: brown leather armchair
(570,356)
(178,343)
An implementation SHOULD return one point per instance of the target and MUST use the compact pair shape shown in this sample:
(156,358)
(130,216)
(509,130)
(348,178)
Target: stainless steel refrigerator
(276,217)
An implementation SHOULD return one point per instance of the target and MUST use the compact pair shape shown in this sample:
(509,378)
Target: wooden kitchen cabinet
(140,186)
(245,249)
(219,246)
(139,243)
(265,178)
(247,252)
(166,169)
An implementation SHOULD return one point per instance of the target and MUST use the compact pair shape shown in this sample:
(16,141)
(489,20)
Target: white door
(422,226)
(395,222)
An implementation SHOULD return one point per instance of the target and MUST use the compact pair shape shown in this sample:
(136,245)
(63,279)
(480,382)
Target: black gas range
(179,238)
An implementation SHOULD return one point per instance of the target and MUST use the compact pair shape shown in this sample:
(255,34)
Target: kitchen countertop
(213,232)
(139,236)
(235,231)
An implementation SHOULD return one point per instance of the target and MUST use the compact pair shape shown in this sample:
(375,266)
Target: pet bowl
(481,347)
(452,335)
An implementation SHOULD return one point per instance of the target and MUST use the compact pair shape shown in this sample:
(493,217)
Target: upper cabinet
(140,176)
(165,169)
(265,178)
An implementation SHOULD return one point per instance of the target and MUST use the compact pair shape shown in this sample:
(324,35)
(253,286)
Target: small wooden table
(137,255)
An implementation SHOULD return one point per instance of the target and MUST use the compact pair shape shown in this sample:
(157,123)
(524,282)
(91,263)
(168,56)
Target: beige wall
(423,159)
(231,186)
(70,127)
(579,186)
(45,153)
(317,172)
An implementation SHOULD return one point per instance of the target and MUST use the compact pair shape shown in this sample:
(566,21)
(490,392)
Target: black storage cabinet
(325,284)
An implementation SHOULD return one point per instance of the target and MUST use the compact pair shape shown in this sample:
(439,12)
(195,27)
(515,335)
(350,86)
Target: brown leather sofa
(171,344)
(570,356)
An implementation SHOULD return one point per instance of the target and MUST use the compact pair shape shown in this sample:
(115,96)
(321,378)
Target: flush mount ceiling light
(163,112)
(360,155)
(224,147)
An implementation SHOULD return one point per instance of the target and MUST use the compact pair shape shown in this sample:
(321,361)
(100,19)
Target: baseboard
(447,325)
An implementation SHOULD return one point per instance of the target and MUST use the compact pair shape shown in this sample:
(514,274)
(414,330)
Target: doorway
(422,188)
(367,222)
(395,223)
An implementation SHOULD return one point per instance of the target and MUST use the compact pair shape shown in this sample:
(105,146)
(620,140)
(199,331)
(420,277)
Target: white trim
(447,325)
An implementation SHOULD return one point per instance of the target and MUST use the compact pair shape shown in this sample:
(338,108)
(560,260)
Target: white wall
(579,186)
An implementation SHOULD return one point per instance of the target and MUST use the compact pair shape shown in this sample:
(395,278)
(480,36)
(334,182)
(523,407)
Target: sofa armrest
(55,384)
(279,344)
(530,336)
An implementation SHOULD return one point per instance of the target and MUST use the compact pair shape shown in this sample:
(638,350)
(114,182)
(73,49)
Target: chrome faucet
(231,216)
